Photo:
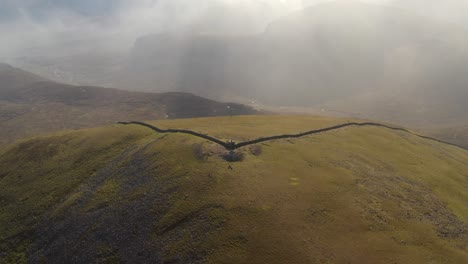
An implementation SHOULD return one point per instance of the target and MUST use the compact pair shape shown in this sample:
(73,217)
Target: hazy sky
(34,26)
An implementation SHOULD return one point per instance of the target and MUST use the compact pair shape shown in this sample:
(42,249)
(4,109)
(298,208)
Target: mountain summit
(124,193)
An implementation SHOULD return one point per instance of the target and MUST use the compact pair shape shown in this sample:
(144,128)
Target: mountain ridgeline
(232,145)
(152,172)
(31,105)
(125,194)
(341,58)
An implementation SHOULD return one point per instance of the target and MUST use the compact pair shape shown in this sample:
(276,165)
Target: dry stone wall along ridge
(229,145)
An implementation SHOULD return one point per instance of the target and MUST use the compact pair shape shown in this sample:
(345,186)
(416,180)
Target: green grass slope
(126,194)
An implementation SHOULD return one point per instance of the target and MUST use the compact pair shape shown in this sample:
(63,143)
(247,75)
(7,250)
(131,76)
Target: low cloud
(37,27)
(43,27)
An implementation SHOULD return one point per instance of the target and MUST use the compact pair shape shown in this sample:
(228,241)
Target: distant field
(125,193)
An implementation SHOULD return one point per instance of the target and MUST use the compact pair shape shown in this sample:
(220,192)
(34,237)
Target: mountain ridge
(30,105)
(329,53)
(124,193)
(231,145)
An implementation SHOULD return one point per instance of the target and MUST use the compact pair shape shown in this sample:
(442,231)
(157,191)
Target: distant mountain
(31,105)
(95,68)
(330,52)
(13,79)
(368,60)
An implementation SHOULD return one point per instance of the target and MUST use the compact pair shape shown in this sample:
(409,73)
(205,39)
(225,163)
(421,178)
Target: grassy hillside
(124,193)
(30,105)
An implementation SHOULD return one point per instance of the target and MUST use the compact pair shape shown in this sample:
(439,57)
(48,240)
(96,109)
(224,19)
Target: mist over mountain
(448,10)
(51,28)
(395,61)
(233,131)
(39,9)
(31,105)
(325,53)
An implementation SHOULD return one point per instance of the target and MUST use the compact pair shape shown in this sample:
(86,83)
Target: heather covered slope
(125,193)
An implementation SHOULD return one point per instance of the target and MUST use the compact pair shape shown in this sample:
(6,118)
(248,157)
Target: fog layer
(284,52)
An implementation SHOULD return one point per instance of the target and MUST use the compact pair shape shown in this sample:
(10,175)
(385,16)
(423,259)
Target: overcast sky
(31,26)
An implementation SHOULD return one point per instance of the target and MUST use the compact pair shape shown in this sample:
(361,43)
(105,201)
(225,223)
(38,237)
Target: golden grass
(356,195)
